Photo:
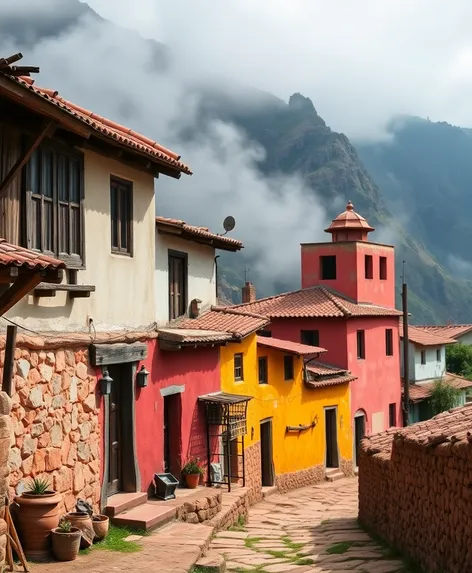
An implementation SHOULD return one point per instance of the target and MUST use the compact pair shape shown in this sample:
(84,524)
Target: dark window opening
(438,355)
(121,205)
(383,268)
(392,415)
(54,206)
(423,357)
(328,267)
(361,344)
(263,376)
(266,333)
(369,267)
(178,277)
(238,367)
(288,367)
(310,337)
(389,342)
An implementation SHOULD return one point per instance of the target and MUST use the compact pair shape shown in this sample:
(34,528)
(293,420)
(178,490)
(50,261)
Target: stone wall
(415,491)
(252,461)
(235,505)
(347,467)
(56,432)
(303,478)
(5,437)
(202,509)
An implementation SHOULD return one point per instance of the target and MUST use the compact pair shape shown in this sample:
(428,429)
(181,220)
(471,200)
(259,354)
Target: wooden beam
(74,290)
(52,276)
(9,275)
(9,359)
(18,290)
(104,354)
(46,131)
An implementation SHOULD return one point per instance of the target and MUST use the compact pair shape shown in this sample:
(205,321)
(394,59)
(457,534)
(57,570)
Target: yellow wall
(288,403)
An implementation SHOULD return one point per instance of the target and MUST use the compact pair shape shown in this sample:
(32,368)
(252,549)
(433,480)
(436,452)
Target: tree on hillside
(444,397)
(459,359)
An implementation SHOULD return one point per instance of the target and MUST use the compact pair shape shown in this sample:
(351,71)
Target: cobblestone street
(309,530)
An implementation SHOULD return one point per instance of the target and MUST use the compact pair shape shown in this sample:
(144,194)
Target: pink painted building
(347,305)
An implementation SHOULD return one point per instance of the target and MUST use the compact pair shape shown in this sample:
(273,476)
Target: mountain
(414,168)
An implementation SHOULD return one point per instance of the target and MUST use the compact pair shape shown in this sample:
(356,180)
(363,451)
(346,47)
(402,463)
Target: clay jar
(65,545)
(82,521)
(192,480)
(100,523)
(37,516)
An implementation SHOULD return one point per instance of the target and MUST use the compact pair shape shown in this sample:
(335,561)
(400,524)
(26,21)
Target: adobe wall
(56,432)
(419,499)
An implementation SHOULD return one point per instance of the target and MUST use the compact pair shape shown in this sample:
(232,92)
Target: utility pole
(406,379)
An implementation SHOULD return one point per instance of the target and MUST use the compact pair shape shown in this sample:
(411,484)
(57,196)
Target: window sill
(75,291)
(122,254)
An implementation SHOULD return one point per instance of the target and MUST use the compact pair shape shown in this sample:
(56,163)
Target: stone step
(212,562)
(269,490)
(334,474)
(123,502)
(146,516)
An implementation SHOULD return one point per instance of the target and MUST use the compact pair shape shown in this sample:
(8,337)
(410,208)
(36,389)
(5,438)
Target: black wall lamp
(142,377)
(105,383)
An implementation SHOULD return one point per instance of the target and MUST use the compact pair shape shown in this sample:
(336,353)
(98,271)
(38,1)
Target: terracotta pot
(65,546)
(100,523)
(192,480)
(82,521)
(37,516)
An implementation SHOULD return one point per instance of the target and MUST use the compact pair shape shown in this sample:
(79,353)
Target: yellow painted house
(298,416)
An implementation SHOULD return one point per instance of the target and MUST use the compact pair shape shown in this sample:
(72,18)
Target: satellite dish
(228,224)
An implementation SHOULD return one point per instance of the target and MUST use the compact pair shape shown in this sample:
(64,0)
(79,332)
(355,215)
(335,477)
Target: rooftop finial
(349,206)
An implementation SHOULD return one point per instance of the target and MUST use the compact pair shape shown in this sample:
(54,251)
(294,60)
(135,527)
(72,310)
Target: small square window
(369,267)
(288,367)
(392,415)
(263,378)
(238,367)
(383,268)
(423,357)
(438,355)
(266,333)
(310,337)
(361,344)
(328,268)
(389,342)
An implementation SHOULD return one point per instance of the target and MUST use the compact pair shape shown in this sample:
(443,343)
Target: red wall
(350,270)
(378,375)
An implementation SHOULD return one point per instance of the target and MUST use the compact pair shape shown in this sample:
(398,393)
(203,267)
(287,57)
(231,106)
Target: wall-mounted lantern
(142,377)
(105,383)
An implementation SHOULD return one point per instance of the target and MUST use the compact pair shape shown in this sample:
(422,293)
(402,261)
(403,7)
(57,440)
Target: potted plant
(38,514)
(65,541)
(100,523)
(192,471)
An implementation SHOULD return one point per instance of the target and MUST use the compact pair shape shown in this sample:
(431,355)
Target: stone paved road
(312,530)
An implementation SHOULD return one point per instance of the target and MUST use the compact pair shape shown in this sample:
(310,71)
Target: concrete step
(145,516)
(334,474)
(123,502)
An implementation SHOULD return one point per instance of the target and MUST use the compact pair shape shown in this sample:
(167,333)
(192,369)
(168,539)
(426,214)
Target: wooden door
(167,455)
(332,460)
(266,454)
(115,437)
(177,285)
(359,433)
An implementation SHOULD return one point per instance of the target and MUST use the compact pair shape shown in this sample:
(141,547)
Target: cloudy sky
(361,62)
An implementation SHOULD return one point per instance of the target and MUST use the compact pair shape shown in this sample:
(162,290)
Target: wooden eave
(169,229)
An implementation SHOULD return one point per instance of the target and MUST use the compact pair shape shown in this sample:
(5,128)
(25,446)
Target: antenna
(246,274)
(228,224)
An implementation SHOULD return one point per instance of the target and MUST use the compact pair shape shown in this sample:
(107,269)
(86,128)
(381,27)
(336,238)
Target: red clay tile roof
(15,256)
(448,427)
(106,127)
(451,330)
(199,234)
(188,336)
(323,375)
(222,319)
(422,390)
(349,219)
(288,346)
(426,337)
(318,301)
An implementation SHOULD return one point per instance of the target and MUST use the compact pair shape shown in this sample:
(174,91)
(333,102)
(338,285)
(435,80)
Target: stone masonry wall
(202,509)
(419,499)
(347,467)
(5,436)
(252,460)
(293,480)
(56,432)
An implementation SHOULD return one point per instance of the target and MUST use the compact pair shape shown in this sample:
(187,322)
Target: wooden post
(9,359)
(406,379)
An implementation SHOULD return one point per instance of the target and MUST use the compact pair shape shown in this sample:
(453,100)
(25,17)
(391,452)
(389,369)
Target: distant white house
(426,365)
(186,268)
(459,332)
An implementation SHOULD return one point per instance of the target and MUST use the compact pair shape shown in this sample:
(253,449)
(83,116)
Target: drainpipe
(305,376)
(216,277)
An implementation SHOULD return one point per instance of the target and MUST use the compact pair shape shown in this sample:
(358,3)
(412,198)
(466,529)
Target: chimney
(249,292)
(195,307)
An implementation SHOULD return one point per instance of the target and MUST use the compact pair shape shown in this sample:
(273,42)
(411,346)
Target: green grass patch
(339,548)
(278,554)
(291,545)
(250,542)
(115,541)
(240,525)
(305,561)
(201,569)
(258,569)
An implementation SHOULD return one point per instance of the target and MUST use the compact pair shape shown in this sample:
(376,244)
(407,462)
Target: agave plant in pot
(38,514)
(192,471)
(65,541)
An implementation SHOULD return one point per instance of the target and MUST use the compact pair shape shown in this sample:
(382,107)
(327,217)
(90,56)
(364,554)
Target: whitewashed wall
(432,368)
(201,273)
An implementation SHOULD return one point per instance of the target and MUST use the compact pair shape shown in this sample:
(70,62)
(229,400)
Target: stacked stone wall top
(55,423)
